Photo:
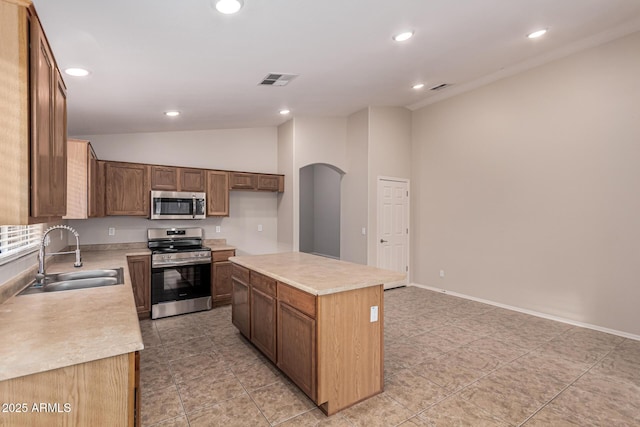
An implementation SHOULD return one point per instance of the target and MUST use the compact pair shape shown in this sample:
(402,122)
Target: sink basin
(76,280)
(88,282)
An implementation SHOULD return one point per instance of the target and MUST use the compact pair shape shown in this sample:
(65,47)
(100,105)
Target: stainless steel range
(180,271)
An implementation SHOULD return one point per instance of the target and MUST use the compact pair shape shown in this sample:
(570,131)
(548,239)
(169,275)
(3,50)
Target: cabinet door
(164,178)
(96,185)
(243,181)
(48,130)
(140,273)
(269,182)
(127,189)
(297,348)
(263,323)
(192,180)
(221,283)
(240,313)
(217,193)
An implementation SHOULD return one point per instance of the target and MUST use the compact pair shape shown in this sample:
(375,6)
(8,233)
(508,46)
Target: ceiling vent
(274,79)
(440,86)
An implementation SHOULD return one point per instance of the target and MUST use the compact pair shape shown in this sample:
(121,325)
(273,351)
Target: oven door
(181,282)
(177,205)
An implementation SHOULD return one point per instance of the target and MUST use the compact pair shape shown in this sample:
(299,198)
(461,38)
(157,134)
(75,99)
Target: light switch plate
(259,227)
(218,228)
(112,231)
(374,314)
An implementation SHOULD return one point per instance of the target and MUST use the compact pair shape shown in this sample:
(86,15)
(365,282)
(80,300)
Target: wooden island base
(312,317)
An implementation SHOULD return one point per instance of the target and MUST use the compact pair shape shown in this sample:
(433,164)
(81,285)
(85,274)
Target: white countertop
(45,331)
(315,274)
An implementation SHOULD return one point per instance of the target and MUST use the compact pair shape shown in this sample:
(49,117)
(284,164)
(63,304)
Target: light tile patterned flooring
(448,362)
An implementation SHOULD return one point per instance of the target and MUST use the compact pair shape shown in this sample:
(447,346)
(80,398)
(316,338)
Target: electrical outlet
(218,228)
(259,227)
(441,273)
(112,231)
(374,314)
(364,231)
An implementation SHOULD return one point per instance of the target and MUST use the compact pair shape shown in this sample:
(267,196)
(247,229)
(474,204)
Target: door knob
(383,241)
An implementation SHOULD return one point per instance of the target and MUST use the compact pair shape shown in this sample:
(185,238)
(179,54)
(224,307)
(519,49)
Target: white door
(393,226)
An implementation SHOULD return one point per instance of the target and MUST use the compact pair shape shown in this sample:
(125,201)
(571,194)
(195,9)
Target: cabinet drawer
(263,283)
(240,273)
(298,299)
(217,256)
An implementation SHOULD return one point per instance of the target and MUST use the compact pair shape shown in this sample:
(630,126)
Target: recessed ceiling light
(228,7)
(172,113)
(284,112)
(418,86)
(537,34)
(405,35)
(77,72)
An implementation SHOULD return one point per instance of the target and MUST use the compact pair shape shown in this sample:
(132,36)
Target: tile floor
(448,362)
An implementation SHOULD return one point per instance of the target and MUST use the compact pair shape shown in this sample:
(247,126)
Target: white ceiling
(149,56)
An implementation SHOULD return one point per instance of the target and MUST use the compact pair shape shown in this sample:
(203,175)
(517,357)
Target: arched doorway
(320,209)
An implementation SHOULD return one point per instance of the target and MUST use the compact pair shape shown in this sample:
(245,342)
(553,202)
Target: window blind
(17,240)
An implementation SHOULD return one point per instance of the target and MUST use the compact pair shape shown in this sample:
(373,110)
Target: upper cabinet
(34,135)
(127,187)
(85,181)
(217,193)
(256,181)
(171,178)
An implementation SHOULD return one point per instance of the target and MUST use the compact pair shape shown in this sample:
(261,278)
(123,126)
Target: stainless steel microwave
(178,205)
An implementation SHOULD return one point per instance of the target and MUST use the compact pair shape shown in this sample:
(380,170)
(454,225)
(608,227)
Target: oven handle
(180,263)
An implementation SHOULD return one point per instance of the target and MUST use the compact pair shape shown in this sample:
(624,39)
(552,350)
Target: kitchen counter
(317,275)
(45,331)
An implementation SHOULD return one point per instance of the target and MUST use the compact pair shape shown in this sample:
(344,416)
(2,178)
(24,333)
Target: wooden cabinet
(85,183)
(263,314)
(164,178)
(240,314)
(325,344)
(97,393)
(217,193)
(243,181)
(140,273)
(171,178)
(127,189)
(271,183)
(221,277)
(296,337)
(255,181)
(192,180)
(96,188)
(48,129)
(34,129)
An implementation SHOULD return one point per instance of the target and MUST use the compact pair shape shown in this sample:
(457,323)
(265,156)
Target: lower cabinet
(325,344)
(221,277)
(297,347)
(240,314)
(102,392)
(263,314)
(140,273)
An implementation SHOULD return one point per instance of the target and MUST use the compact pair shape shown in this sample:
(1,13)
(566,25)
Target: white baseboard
(533,313)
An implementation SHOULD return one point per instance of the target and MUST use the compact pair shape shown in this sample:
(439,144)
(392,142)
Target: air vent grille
(274,79)
(440,86)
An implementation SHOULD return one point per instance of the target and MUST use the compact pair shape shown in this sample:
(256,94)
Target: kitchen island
(318,319)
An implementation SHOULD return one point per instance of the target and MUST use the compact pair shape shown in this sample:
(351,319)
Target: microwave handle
(194,206)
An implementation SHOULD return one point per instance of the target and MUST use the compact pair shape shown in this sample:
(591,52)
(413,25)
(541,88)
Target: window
(18,240)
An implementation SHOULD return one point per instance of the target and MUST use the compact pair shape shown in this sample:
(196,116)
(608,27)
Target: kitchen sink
(76,280)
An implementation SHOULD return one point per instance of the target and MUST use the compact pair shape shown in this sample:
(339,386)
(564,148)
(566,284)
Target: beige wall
(285,200)
(389,154)
(354,217)
(526,191)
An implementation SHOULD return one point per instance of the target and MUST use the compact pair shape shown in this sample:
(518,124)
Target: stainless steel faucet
(41,269)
